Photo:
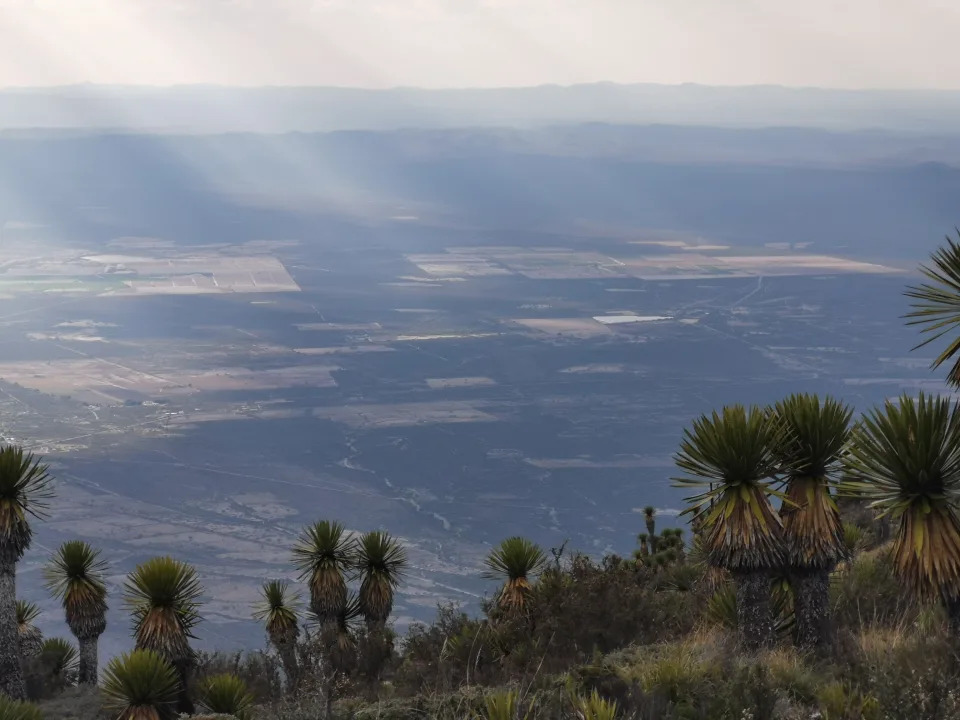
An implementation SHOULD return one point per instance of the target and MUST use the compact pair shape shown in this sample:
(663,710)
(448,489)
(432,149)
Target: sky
(481,43)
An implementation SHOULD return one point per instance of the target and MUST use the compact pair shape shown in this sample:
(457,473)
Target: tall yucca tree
(323,556)
(380,561)
(28,634)
(25,489)
(163,595)
(650,520)
(814,436)
(516,561)
(905,458)
(338,637)
(278,610)
(936,305)
(730,454)
(141,685)
(75,577)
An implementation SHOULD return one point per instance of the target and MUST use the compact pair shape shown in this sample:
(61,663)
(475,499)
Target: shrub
(261,672)
(82,703)
(865,592)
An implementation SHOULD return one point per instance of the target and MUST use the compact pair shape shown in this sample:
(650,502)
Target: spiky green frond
(61,659)
(278,609)
(18,710)
(141,685)
(905,459)
(225,694)
(936,306)
(730,453)
(27,612)
(323,556)
(25,489)
(515,558)
(595,707)
(506,705)
(813,435)
(29,635)
(163,595)
(380,562)
(75,576)
(516,561)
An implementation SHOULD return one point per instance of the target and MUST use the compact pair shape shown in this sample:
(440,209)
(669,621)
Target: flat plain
(210,401)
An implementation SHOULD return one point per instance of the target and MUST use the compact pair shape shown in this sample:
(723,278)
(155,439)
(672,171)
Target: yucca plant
(60,660)
(595,707)
(730,454)
(936,306)
(814,436)
(323,556)
(338,640)
(905,459)
(278,609)
(380,561)
(225,694)
(75,576)
(25,489)
(163,596)
(141,685)
(29,635)
(650,520)
(516,561)
(18,710)
(507,705)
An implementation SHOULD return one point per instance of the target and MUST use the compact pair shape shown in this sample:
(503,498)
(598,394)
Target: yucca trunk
(89,659)
(754,612)
(953,614)
(286,645)
(11,674)
(814,533)
(288,658)
(184,668)
(811,608)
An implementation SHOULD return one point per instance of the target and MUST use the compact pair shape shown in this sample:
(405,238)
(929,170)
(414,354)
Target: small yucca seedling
(18,710)
(141,685)
(60,659)
(506,706)
(852,538)
(594,707)
(225,694)
(31,639)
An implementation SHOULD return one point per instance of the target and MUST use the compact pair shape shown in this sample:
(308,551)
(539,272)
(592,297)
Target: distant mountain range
(206,109)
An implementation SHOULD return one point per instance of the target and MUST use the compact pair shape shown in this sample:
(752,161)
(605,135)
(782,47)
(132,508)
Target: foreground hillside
(654,637)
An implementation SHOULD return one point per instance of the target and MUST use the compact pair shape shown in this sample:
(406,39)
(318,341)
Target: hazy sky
(459,43)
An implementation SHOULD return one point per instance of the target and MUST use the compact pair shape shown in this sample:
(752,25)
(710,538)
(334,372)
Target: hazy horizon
(478,43)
